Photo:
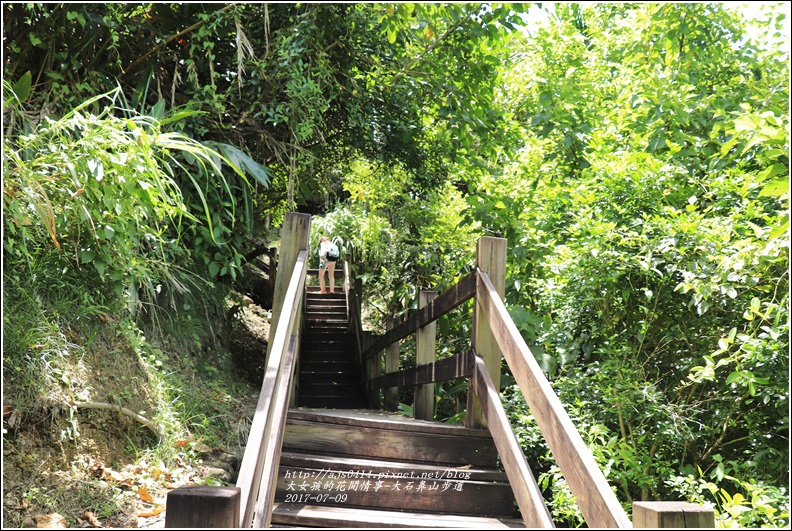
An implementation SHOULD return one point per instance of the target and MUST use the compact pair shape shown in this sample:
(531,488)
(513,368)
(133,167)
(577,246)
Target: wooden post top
(672,514)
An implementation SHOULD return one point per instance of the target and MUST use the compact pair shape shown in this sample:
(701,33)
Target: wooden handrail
(451,298)
(526,491)
(595,498)
(456,366)
(267,419)
(266,495)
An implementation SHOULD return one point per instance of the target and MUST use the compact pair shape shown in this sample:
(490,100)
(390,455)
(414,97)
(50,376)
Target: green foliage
(647,219)
(105,194)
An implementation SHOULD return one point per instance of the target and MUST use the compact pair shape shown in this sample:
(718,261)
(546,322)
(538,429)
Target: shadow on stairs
(329,374)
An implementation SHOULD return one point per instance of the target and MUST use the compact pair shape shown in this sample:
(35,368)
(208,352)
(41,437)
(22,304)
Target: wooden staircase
(344,468)
(329,374)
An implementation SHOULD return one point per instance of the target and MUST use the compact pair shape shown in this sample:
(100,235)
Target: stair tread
(302,514)
(343,463)
(382,419)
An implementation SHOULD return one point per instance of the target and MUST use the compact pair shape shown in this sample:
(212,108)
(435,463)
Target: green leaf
(214,269)
(781,229)
(776,187)
(158,110)
(22,87)
(772,171)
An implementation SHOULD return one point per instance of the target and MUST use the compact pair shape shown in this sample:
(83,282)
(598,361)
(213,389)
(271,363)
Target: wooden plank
(677,515)
(384,420)
(491,259)
(424,394)
(251,467)
(391,393)
(388,443)
(347,517)
(275,430)
(381,466)
(446,369)
(389,490)
(450,299)
(201,506)
(594,496)
(526,491)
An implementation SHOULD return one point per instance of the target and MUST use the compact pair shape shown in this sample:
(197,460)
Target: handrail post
(374,369)
(200,506)
(391,365)
(677,515)
(295,236)
(491,259)
(425,353)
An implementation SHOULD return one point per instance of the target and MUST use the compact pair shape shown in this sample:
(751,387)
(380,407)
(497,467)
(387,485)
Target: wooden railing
(595,498)
(262,453)
(250,502)
(494,336)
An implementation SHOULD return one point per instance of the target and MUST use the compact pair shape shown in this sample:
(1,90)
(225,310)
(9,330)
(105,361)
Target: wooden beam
(201,506)
(594,496)
(491,259)
(252,462)
(526,491)
(295,234)
(391,365)
(374,370)
(424,395)
(446,369)
(677,515)
(462,291)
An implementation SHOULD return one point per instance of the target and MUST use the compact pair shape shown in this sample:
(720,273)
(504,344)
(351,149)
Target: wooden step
(333,402)
(318,313)
(366,435)
(379,466)
(330,388)
(339,377)
(344,365)
(329,515)
(313,337)
(329,354)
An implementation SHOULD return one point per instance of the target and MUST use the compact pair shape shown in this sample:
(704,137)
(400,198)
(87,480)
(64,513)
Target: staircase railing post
(425,353)
(676,515)
(391,365)
(295,236)
(491,259)
(201,506)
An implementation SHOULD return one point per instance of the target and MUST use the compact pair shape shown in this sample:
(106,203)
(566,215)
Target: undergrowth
(61,351)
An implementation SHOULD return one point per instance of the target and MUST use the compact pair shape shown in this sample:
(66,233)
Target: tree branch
(167,41)
(155,429)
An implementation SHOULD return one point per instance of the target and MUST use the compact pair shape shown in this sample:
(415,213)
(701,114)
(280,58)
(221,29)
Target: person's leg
(321,277)
(331,275)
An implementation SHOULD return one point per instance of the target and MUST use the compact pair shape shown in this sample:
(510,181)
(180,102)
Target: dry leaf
(14,419)
(144,494)
(106,318)
(201,447)
(7,410)
(153,512)
(49,521)
(110,474)
(91,519)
